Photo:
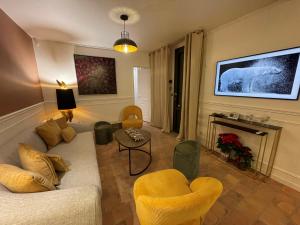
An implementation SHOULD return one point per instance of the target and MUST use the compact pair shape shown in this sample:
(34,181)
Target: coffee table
(130,145)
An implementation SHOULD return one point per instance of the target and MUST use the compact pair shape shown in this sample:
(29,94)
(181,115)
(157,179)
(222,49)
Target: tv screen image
(270,75)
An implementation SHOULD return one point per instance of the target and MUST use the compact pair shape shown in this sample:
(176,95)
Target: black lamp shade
(65,99)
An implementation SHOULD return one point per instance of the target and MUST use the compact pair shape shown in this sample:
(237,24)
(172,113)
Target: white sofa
(77,201)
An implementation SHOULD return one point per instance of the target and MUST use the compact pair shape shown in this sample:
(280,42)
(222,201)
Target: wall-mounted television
(274,75)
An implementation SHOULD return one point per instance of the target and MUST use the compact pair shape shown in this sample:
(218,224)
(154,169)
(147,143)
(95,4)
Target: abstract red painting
(95,75)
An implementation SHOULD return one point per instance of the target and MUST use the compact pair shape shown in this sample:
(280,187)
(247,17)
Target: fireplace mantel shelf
(237,127)
(263,162)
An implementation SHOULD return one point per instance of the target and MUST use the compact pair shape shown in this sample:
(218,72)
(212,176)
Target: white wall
(272,28)
(19,127)
(55,61)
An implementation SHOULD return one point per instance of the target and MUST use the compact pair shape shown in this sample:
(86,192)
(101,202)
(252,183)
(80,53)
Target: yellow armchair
(166,198)
(132,117)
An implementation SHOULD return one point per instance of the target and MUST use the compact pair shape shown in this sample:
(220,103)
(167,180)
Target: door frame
(173,49)
(136,71)
(178,83)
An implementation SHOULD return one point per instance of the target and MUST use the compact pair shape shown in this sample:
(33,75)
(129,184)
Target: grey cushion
(74,206)
(81,155)
(9,149)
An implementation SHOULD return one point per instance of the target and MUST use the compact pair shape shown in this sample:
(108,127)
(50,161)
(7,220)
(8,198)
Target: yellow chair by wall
(132,117)
(166,198)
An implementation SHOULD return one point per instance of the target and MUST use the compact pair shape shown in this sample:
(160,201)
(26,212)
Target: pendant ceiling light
(124,44)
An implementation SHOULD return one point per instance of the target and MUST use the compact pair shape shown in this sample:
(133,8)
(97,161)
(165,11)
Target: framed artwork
(95,75)
(274,75)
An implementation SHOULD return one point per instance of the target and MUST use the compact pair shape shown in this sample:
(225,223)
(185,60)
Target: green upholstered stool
(186,158)
(103,132)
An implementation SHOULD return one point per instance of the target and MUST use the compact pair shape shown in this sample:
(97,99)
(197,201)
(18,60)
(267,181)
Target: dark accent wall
(19,80)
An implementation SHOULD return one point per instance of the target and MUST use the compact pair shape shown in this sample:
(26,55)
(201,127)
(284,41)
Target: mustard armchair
(166,198)
(132,117)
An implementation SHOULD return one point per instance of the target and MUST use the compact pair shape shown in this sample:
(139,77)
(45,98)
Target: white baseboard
(287,178)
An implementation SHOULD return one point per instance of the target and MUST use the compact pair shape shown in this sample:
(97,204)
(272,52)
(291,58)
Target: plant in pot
(236,153)
(229,143)
(243,158)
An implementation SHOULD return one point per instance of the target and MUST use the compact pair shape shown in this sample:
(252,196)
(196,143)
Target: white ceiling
(87,22)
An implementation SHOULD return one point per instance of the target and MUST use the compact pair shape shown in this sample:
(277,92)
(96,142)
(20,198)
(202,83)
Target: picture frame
(273,75)
(95,74)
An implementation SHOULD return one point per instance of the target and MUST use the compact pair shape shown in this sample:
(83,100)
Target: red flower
(229,138)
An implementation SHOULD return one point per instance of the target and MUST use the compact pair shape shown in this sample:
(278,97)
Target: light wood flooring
(244,201)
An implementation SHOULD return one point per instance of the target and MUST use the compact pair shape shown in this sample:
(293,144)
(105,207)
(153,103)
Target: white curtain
(191,85)
(160,96)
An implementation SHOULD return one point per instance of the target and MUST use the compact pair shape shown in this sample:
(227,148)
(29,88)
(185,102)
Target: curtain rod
(176,42)
(181,39)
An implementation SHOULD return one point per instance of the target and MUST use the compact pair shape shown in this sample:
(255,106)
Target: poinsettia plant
(244,157)
(240,155)
(228,142)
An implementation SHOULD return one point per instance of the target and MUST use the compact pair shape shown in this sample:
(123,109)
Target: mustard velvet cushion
(68,134)
(62,122)
(135,123)
(58,163)
(22,181)
(166,198)
(38,162)
(50,132)
(132,117)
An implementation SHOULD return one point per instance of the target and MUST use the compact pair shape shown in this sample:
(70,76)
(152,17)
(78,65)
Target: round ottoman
(186,158)
(103,132)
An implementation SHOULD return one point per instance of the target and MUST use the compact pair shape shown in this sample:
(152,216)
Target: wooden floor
(244,201)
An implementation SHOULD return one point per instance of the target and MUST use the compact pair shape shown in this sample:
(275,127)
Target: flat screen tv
(273,75)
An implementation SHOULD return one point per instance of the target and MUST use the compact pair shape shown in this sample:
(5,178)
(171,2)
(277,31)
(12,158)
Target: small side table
(130,145)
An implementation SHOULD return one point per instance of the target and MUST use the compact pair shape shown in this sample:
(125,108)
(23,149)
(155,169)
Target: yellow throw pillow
(132,117)
(68,134)
(58,163)
(38,162)
(50,132)
(62,122)
(22,181)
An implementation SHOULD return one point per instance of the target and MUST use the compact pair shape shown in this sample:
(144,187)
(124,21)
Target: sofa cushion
(61,122)
(2,188)
(58,163)
(38,162)
(68,134)
(74,206)
(50,132)
(81,155)
(23,181)
(135,123)
(9,149)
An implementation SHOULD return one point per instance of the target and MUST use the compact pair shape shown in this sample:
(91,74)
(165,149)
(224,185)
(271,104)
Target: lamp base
(68,114)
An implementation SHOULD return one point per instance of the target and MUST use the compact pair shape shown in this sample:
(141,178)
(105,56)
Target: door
(142,91)
(178,80)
